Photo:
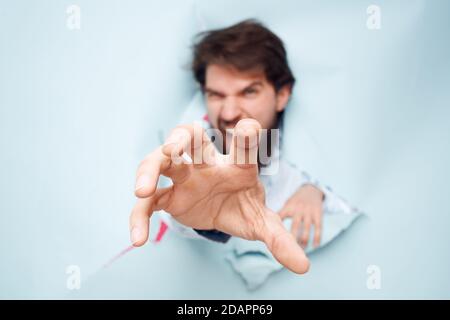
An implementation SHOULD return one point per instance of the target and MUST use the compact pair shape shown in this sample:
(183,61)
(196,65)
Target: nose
(230,111)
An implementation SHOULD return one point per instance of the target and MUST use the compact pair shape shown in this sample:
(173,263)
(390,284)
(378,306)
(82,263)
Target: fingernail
(141,182)
(135,235)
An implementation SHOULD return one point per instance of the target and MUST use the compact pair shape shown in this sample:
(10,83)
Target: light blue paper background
(79,109)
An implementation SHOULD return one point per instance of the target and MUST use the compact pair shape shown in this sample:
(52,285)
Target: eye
(250,92)
(212,95)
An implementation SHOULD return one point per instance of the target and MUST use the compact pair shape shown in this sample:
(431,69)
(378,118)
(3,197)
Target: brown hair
(246,46)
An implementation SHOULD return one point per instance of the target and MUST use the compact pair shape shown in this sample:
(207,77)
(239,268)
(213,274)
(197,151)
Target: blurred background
(82,101)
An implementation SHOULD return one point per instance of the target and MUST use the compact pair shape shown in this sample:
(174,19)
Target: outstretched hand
(213,191)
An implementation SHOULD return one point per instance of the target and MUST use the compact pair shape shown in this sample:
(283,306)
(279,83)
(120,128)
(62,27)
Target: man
(244,75)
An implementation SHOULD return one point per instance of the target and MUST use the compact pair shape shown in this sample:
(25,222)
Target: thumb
(139,221)
(142,212)
(284,212)
(283,245)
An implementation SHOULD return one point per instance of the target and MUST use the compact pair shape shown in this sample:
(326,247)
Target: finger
(285,212)
(304,238)
(166,160)
(283,245)
(317,230)
(191,139)
(244,145)
(162,198)
(148,173)
(295,226)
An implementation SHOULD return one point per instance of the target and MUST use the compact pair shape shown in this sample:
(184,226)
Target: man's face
(232,95)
